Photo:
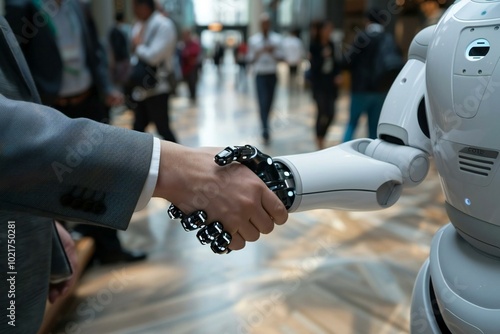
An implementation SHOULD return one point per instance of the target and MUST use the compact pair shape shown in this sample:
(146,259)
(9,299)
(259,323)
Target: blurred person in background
(154,43)
(325,79)
(71,74)
(293,52)
(190,51)
(363,60)
(119,42)
(313,32)
(264,53)
(64,55)
(432,12)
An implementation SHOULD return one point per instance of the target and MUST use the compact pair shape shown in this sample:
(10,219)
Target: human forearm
(62,168)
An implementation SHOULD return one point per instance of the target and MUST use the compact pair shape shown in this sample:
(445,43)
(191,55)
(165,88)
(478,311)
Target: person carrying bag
(154,40)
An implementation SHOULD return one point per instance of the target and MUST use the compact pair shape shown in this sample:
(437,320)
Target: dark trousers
(266,85)
(324,96)
(154,109)
(106,239)
(92,108)
(293,69)
(371,104)
(192,81)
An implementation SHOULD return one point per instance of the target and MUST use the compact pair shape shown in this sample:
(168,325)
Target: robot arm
(360,175)
(370,174)
(404,118)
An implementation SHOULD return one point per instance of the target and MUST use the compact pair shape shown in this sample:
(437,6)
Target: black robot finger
(174,212)
(209,233)
(235,153)
(194,221)
(221,243)
(226,156)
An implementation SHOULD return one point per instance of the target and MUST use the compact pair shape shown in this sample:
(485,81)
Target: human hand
(137,39)
(232,195)
(269,48)
(59,290)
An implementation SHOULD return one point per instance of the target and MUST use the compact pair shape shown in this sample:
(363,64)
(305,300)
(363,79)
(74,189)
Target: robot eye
(478,49)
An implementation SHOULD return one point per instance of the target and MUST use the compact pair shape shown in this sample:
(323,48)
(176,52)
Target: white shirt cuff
(150,184)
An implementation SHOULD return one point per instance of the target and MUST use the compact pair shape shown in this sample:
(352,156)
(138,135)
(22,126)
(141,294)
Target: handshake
(275,176)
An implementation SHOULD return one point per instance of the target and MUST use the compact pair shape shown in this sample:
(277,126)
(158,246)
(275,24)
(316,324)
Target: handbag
(143,75)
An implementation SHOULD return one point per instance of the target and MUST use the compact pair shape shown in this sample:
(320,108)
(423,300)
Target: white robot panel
(404,118)
(463,93)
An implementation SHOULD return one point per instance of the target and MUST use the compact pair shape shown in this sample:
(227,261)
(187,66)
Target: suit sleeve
(69,169)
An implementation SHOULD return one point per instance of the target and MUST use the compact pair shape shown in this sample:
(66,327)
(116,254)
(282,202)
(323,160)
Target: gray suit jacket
(53,167)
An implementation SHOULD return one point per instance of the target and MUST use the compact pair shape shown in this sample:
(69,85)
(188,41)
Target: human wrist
(168,173)
(182,171)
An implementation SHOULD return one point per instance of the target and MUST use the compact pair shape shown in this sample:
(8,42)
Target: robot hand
(275,175)
(212,234)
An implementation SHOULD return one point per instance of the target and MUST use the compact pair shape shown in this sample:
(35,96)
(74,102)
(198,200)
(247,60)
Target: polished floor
(323,272)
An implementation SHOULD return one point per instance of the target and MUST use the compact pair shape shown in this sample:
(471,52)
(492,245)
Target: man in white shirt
(154,40)
(265,51)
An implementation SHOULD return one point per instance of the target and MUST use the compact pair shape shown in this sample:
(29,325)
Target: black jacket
(318,60)
(360,60)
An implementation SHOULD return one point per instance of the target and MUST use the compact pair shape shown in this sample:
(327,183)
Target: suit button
(88,205)
(66,199)
(99,208)
(77,203)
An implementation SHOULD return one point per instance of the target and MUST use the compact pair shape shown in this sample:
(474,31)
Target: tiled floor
(323,272)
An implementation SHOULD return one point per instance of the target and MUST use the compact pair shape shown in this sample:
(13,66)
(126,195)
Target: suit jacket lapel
(12,51)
